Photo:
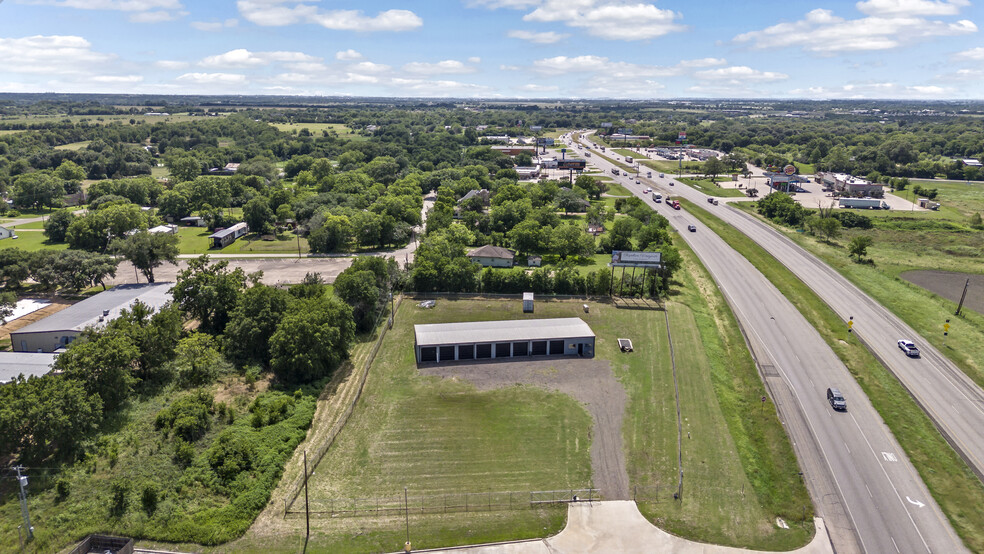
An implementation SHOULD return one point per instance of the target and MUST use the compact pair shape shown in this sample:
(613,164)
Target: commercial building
(852,186)
(522,338)
(28,364)
(61,328)
(492,256)
(225,237)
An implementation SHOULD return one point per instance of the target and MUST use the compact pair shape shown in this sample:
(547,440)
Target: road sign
(789,169)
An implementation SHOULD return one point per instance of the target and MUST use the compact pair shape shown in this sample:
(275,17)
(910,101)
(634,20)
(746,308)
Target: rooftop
(490,251)
(501,331)
(227,231)
(27,364)
(87,312)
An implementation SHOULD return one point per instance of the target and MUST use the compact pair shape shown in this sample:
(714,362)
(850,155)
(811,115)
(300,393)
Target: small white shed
(527,302)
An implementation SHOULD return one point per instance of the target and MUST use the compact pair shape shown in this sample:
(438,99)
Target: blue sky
(923,49)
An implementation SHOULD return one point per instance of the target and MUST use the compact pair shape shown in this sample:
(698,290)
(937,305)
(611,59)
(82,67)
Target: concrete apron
(617,526)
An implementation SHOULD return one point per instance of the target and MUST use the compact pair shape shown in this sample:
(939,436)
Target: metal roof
(87,312)
(229,231)
(27,364)
(501,331)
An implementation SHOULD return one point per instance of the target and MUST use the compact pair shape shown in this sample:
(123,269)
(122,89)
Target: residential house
(492,256)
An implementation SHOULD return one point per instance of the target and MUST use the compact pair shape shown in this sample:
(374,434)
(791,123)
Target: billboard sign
(606,125)
(577,165)
(543,141)
(536,128)
(789,169)
(625,258)
(625,131)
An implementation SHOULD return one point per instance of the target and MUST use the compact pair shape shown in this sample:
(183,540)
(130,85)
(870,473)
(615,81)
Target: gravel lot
(590,382)
(950,285)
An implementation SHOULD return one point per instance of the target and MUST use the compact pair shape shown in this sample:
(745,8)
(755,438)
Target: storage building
(522,338)
(61,328)
(28,364)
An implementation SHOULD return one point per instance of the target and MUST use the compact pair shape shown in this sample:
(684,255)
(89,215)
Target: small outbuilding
(193,221)
(6,233)
(527,302)
(522,338)
(534,261)
(492,256)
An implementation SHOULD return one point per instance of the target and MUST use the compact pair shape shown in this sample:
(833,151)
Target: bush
(149,498)
(189,417)
(120,498)
(852,220)
(62,488)
(184,453)
(232,453)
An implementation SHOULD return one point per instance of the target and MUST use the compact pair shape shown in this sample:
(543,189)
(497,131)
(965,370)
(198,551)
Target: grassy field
(525,438)
(74,145)
(194,240)
(341,129)
(32,241)
(953,485)
(711,188)
(31,225)
(615,189)
(672,167)
(100,119)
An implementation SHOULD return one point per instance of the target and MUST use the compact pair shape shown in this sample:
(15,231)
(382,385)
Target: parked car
(836,399)
(909,348)
(692,228)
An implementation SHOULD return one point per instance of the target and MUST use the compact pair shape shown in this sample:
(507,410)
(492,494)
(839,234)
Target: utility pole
(22,483)
(963,296)
(307,511)
(406,511)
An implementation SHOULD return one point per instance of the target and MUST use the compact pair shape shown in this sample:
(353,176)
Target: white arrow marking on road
(916,502)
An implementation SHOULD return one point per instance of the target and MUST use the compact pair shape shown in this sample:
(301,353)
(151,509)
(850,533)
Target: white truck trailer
(863,203)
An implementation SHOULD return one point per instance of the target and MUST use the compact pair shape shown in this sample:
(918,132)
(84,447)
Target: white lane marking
(896,545)
(869,490)
(894,488)
(847,448)
(890,457)
(915,502)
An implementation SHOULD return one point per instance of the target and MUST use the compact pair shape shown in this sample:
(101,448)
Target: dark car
(692,228)
(836,399)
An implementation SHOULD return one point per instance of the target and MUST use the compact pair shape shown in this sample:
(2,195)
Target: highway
(862,483)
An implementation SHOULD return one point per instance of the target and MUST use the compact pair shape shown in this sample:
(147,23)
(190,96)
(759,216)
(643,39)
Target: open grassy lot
(953,485)
(444,436)
(711,188)
(31,225)
(343,130)
(74,145)
(194,240)
(32,241)
(673,167)
(101,119)
(615,189)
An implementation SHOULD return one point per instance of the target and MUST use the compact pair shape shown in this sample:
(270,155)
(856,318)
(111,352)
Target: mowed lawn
(444,436)
(344,131)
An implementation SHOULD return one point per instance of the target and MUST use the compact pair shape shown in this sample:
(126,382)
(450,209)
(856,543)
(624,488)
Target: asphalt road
(862,483)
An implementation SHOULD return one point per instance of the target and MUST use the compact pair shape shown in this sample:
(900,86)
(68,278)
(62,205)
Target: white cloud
(50,55)
(874,90)
(609,19)
(348,55)
(244,58)
(141,11)
(703,62)
(547,37)
(423,87)
(533,87)
(212,26)
(474,59)
(117,79)
(277,13)
(171,64)
(974,54)
(603,66)
(496,4)
(823,32)
(369,67)
(739,74)
(439,68)
(213,78)
(912,7)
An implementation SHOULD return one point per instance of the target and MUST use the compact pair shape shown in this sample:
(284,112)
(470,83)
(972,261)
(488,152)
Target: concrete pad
(618,526)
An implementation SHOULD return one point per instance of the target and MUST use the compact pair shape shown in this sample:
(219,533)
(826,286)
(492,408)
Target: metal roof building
(61,328)
(27,364)
(444,342)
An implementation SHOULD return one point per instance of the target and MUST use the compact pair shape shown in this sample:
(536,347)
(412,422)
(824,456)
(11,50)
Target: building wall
(580,346)
(5,233)
(493,262)
(48,341)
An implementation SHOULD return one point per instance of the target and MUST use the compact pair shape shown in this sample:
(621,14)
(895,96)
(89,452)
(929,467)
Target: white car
(648,189)
(909,348)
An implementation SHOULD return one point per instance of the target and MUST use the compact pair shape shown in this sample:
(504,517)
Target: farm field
(445,436)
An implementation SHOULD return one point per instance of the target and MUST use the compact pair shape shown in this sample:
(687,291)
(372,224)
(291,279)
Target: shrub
(189,417)
(120,498)
(149,498)
(62,488)
(231,454)
(184,453)
(853,220)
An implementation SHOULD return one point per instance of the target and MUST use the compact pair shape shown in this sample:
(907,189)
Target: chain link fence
(398,504)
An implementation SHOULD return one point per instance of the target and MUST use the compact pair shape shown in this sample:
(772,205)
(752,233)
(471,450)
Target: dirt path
(950,285)
(588,381)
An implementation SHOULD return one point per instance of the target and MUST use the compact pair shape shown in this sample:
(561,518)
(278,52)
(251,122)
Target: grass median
(953,485)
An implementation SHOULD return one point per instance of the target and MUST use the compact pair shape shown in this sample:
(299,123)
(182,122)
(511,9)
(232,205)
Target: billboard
(625,131)
(625,258)
(606,125)
(543,141)
(536,128)
(577,165)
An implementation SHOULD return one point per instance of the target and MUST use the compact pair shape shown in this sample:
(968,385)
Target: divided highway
(865,488)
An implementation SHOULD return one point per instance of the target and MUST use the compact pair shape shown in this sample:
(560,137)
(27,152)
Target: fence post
(635,490)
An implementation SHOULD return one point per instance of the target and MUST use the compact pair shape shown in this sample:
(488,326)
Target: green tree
(529,237)
(258,215)
(358,289)
(197,357)
(148,251)
(569,201)
(209,292)
(155,334)
(38,190)
(103,362)
(312,340)
(15,267)
(46,417)
(590,185)
(183,167)
(57,225)
(859,246)
(172,204)
(570,240)
(7,302)
(247,335)
(70,171)
(334,235)
(714,167)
